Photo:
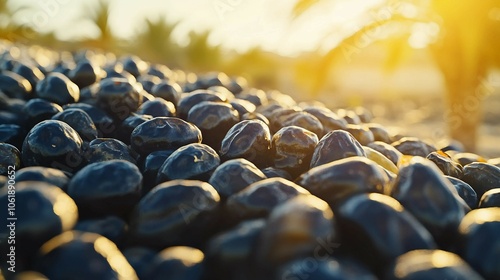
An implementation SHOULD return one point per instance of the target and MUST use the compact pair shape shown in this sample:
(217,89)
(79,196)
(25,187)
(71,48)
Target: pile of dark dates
(126,169)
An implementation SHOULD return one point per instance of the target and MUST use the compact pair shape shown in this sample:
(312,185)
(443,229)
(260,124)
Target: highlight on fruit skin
(87,255)
(431,264)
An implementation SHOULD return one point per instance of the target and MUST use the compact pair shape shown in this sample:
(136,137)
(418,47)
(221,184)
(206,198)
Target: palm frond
(398,49)
(200,53)
(349,45)
(302,6)
(379,17)
(156,40)
(99,17)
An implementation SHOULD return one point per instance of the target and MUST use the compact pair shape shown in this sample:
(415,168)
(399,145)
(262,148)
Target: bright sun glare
(235,24)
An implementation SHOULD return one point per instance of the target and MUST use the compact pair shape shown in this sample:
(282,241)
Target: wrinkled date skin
(115,167)
(250,140)
(163,133)
(482,177)
(292,148)
(335,181)
(337,144)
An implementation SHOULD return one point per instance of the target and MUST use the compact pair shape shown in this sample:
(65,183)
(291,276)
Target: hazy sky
(236,24)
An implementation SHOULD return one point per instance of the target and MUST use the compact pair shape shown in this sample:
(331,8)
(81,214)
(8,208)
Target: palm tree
(99,16)
(463,38)
(257,65)
(9,29)
(5,10)
(200,55)
(156,42)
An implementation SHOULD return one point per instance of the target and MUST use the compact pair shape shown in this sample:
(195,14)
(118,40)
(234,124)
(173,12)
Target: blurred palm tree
(9,29)
(462,36)
(259,67)
(200,55)
(156,42)
(5,10)
(99,16)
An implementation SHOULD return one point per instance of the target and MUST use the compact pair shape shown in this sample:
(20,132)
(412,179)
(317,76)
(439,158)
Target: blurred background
(427,68)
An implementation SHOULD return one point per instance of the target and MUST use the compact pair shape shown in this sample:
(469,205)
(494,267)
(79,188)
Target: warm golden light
(385,199)
(66,209)
(313,201)
(380,159)
(478,217)
(420,260)
(189,256)
(57,241)
(115,258)
(343,53)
